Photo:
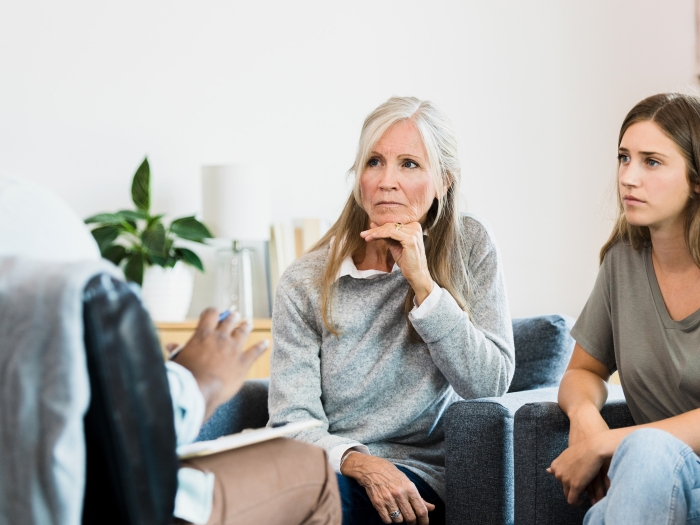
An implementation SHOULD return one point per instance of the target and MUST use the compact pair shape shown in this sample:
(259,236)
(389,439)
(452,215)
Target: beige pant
(281,481)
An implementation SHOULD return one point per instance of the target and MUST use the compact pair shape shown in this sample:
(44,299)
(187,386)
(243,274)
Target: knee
(650,447)
(647,442)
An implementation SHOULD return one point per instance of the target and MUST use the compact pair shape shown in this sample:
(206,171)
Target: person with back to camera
(643,319)
(398,311)
(281,481)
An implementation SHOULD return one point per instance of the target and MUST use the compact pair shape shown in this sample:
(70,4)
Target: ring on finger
(396,515)
(398,226)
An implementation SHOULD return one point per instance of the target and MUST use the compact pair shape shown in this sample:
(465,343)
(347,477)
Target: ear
(440,192)
(696,189)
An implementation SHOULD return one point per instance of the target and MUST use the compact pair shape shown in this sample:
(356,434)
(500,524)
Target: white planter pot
(167,292)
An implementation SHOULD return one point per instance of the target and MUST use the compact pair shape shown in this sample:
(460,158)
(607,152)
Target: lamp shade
(236,202)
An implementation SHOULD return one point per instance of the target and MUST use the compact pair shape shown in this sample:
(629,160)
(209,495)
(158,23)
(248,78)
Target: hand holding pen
(215,355)
(174,350)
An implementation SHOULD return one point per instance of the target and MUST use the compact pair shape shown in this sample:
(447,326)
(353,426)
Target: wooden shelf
(262,329)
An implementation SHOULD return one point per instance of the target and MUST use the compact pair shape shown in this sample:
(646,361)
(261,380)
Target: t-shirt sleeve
(593,329)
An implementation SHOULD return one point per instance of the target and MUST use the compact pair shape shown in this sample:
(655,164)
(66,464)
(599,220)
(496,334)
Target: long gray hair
(444,246)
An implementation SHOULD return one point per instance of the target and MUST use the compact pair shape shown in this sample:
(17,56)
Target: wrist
(211,389)
(424,289)
(345,456)
(350,461)
(604,444)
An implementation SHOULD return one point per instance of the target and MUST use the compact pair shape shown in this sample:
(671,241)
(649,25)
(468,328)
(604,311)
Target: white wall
(537,91)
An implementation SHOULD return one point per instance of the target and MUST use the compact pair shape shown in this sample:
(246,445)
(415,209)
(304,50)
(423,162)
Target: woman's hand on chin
(388,488)
(406,246)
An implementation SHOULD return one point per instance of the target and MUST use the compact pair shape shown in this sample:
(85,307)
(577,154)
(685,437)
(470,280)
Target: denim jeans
(654,479)
(358,508)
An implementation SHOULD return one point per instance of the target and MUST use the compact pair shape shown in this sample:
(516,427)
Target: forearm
(477,362)
(582,393)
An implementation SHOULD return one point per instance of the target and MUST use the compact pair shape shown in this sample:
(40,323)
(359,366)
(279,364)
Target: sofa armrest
(479,457)
(247,409)
(541,434)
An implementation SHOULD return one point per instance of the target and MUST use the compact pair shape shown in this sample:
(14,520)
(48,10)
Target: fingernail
(236,317)
(266,344)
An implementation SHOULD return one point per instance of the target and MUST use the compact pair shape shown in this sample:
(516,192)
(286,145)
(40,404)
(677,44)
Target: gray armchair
(541,434)
(479,450)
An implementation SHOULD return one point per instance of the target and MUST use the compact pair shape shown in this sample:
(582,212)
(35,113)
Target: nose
(629,175)
(389,179)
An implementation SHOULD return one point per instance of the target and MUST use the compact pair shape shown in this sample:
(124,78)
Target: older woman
(397,312)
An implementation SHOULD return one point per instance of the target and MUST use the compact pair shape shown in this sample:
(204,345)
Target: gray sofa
(541,434)
(478,433)
(479,447)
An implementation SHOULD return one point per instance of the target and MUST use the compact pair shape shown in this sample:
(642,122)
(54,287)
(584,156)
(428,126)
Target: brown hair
(445,245)
(678,116)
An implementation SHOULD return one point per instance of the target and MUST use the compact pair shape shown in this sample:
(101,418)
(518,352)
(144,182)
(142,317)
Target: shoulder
(477,235)
(621,256)
(306,272)
(27,206)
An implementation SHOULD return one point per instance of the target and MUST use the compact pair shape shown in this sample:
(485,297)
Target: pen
(223,315)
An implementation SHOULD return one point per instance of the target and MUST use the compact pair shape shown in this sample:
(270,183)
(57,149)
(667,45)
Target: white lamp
(236,207)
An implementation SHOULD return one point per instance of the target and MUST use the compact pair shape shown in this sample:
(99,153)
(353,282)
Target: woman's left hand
(406,246)
(578,465)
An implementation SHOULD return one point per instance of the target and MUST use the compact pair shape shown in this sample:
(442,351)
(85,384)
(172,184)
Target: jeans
(358,508)
(654,479)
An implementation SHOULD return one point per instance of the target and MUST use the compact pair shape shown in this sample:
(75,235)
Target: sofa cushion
(543,347)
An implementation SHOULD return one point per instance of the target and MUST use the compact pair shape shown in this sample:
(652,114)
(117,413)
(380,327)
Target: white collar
(348,267)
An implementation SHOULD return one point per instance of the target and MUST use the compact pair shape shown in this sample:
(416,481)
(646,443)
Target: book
(243,439)
(282,252)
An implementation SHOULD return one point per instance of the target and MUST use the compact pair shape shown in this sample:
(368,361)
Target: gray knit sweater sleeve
(476,355)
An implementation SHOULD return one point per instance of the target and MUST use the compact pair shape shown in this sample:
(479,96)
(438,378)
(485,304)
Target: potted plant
(148,251)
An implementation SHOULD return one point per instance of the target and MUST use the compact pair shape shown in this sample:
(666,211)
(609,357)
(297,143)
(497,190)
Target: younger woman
(643,319)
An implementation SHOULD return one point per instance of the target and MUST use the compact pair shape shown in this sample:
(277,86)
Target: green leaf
(141,187)
(191,229)
(157,260)
(154,239)
(104,218)
(133,271)
(105,235)
(114,253)
(190,258)
(132,215)
(154,219)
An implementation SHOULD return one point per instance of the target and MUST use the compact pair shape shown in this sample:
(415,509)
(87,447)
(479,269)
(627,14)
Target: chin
(634,219)
(388,219)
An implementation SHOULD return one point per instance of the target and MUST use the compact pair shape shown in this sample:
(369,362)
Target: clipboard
(243,439)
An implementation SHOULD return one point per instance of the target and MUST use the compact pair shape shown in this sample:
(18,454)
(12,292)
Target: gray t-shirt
(626,326)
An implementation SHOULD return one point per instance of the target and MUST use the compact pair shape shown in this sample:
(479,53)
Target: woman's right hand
(584,425)
(388,488)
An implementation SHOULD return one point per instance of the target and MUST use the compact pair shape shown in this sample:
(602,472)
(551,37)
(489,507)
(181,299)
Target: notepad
(243,439)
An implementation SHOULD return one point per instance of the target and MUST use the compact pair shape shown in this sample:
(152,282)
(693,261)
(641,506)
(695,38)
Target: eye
(409,164)
(653,162)
(623,157)
(373,162)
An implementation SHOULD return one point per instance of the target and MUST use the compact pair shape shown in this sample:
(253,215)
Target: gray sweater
(373,385)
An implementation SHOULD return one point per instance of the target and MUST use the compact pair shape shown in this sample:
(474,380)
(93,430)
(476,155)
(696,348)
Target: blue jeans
(654,479)
(358,508)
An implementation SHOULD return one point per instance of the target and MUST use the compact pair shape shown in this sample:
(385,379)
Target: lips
(631,200)
(388,203)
